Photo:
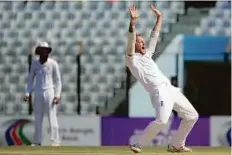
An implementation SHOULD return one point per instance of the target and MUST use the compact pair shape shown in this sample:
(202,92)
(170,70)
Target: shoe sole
(179,151)
(135,150)
(175,150)
(55,145)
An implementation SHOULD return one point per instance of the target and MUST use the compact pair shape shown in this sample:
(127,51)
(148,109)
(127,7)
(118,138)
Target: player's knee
(193,117)
(161,121)
(196,116)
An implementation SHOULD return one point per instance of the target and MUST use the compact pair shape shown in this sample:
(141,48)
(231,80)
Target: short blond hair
(139,35)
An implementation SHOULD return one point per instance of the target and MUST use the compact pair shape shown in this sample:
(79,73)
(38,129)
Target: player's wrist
(133,21)
(159,18)
(159,15)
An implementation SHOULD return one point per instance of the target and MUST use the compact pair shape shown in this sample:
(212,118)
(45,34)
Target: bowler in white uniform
(47,92)
(164,97)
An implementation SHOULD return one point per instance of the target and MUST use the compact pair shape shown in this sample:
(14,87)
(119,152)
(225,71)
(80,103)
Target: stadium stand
(217,22)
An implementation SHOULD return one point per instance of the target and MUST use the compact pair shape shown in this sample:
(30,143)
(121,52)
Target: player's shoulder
(148,50)
(148,53)
(130,57)
(134,56)
(34,62)
(132,61)
(53,61)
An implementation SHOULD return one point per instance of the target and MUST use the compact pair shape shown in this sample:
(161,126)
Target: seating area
(218,22)
(102,26)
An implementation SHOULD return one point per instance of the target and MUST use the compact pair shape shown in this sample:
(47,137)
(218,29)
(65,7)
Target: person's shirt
(143,67)
(47,76)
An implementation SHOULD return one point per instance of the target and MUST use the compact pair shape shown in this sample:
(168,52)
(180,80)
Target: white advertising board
(220,131)
(74,130)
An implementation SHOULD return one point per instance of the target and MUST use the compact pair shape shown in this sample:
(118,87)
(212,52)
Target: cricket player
(164,97)
(47,92)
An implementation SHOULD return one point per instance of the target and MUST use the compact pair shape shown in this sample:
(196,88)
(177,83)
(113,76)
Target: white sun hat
(43,45)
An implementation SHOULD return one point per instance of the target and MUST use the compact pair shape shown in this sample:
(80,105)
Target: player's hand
(156,11)
(56,100)
(133,12)
(25,98)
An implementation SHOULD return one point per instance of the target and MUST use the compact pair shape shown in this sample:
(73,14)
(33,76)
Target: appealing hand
(156,11)
(133,12)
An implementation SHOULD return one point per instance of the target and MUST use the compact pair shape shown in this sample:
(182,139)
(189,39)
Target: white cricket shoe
(55,144)
(173,149)
(34,144)
(135,148)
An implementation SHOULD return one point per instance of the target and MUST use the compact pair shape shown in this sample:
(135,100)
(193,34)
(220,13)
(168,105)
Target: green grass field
(22,150)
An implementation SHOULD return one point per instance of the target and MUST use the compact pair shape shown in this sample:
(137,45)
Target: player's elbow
(59,85)
(58,81)
(193,116)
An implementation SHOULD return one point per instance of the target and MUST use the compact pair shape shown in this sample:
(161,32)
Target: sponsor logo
(224,136)
(15,132)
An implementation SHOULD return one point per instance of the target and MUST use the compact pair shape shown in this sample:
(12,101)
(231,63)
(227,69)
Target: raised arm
(155,31)
(132,34)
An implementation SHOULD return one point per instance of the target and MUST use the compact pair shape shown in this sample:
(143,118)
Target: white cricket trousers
(43,105)
(165,99)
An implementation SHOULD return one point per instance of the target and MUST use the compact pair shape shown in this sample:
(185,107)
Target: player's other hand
(133,12)
(25,97)
(156,11)
(56,100)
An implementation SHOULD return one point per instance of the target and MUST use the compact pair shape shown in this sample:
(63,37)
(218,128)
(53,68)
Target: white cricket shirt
(47,76)
(144,69)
